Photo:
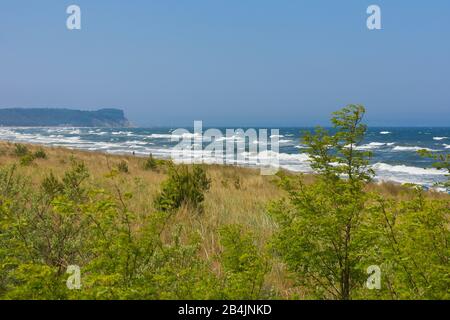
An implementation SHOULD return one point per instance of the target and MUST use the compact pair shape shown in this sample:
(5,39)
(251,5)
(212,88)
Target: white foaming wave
(295,162)
(102,146)
(407,169)
(299,162)
(160,136)
(292,162)
(407,174)
(38,138)
(285,141)
(170,135)
(371,145)
(415,148)
(447,146)
(385,132)
(229,138)
(59,140)
(122,133)
(135,142)
(299,157)
(6,133)
(374,145)
(98,133)
(439,138)
(65,130)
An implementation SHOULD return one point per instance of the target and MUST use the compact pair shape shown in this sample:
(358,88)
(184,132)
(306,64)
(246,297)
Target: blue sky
(230,62)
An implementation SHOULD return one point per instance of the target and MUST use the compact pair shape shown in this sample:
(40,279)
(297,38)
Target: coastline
(394,150)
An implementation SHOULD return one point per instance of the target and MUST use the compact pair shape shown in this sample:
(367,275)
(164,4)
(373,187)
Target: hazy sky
(230,62)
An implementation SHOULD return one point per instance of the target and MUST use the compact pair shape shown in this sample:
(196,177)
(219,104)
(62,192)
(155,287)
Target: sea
(394,150)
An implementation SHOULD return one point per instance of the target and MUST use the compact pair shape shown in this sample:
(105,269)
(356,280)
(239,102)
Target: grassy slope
(237,195)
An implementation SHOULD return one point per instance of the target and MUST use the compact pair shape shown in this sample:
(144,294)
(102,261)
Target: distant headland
(49,117)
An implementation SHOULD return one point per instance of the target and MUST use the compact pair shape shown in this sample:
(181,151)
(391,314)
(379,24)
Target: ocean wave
(160,136)
(374,145)
(292,162)
(407,174)
(229,138)
(172,135)
(120,133)
(135,142)
(99,133)
(415,148)
(407,169)
(285,141)
(439,138)
(385,132)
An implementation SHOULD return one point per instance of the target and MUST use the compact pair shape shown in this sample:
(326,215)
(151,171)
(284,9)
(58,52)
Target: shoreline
(255,170)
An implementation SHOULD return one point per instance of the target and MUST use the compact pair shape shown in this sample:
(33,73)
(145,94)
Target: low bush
(122,166)
(151,163)
(243,263)
(20,150)
(184,186)
(26,160)
(40,154)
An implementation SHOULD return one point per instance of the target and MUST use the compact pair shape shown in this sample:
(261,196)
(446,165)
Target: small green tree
(320,225)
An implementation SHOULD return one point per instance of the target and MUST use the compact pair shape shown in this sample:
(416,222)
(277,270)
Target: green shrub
(410,244)
(73,179)
(122,166)
(51,186)
(26,160)
(184,186)
(40,154)
(151,163)
(20,150)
